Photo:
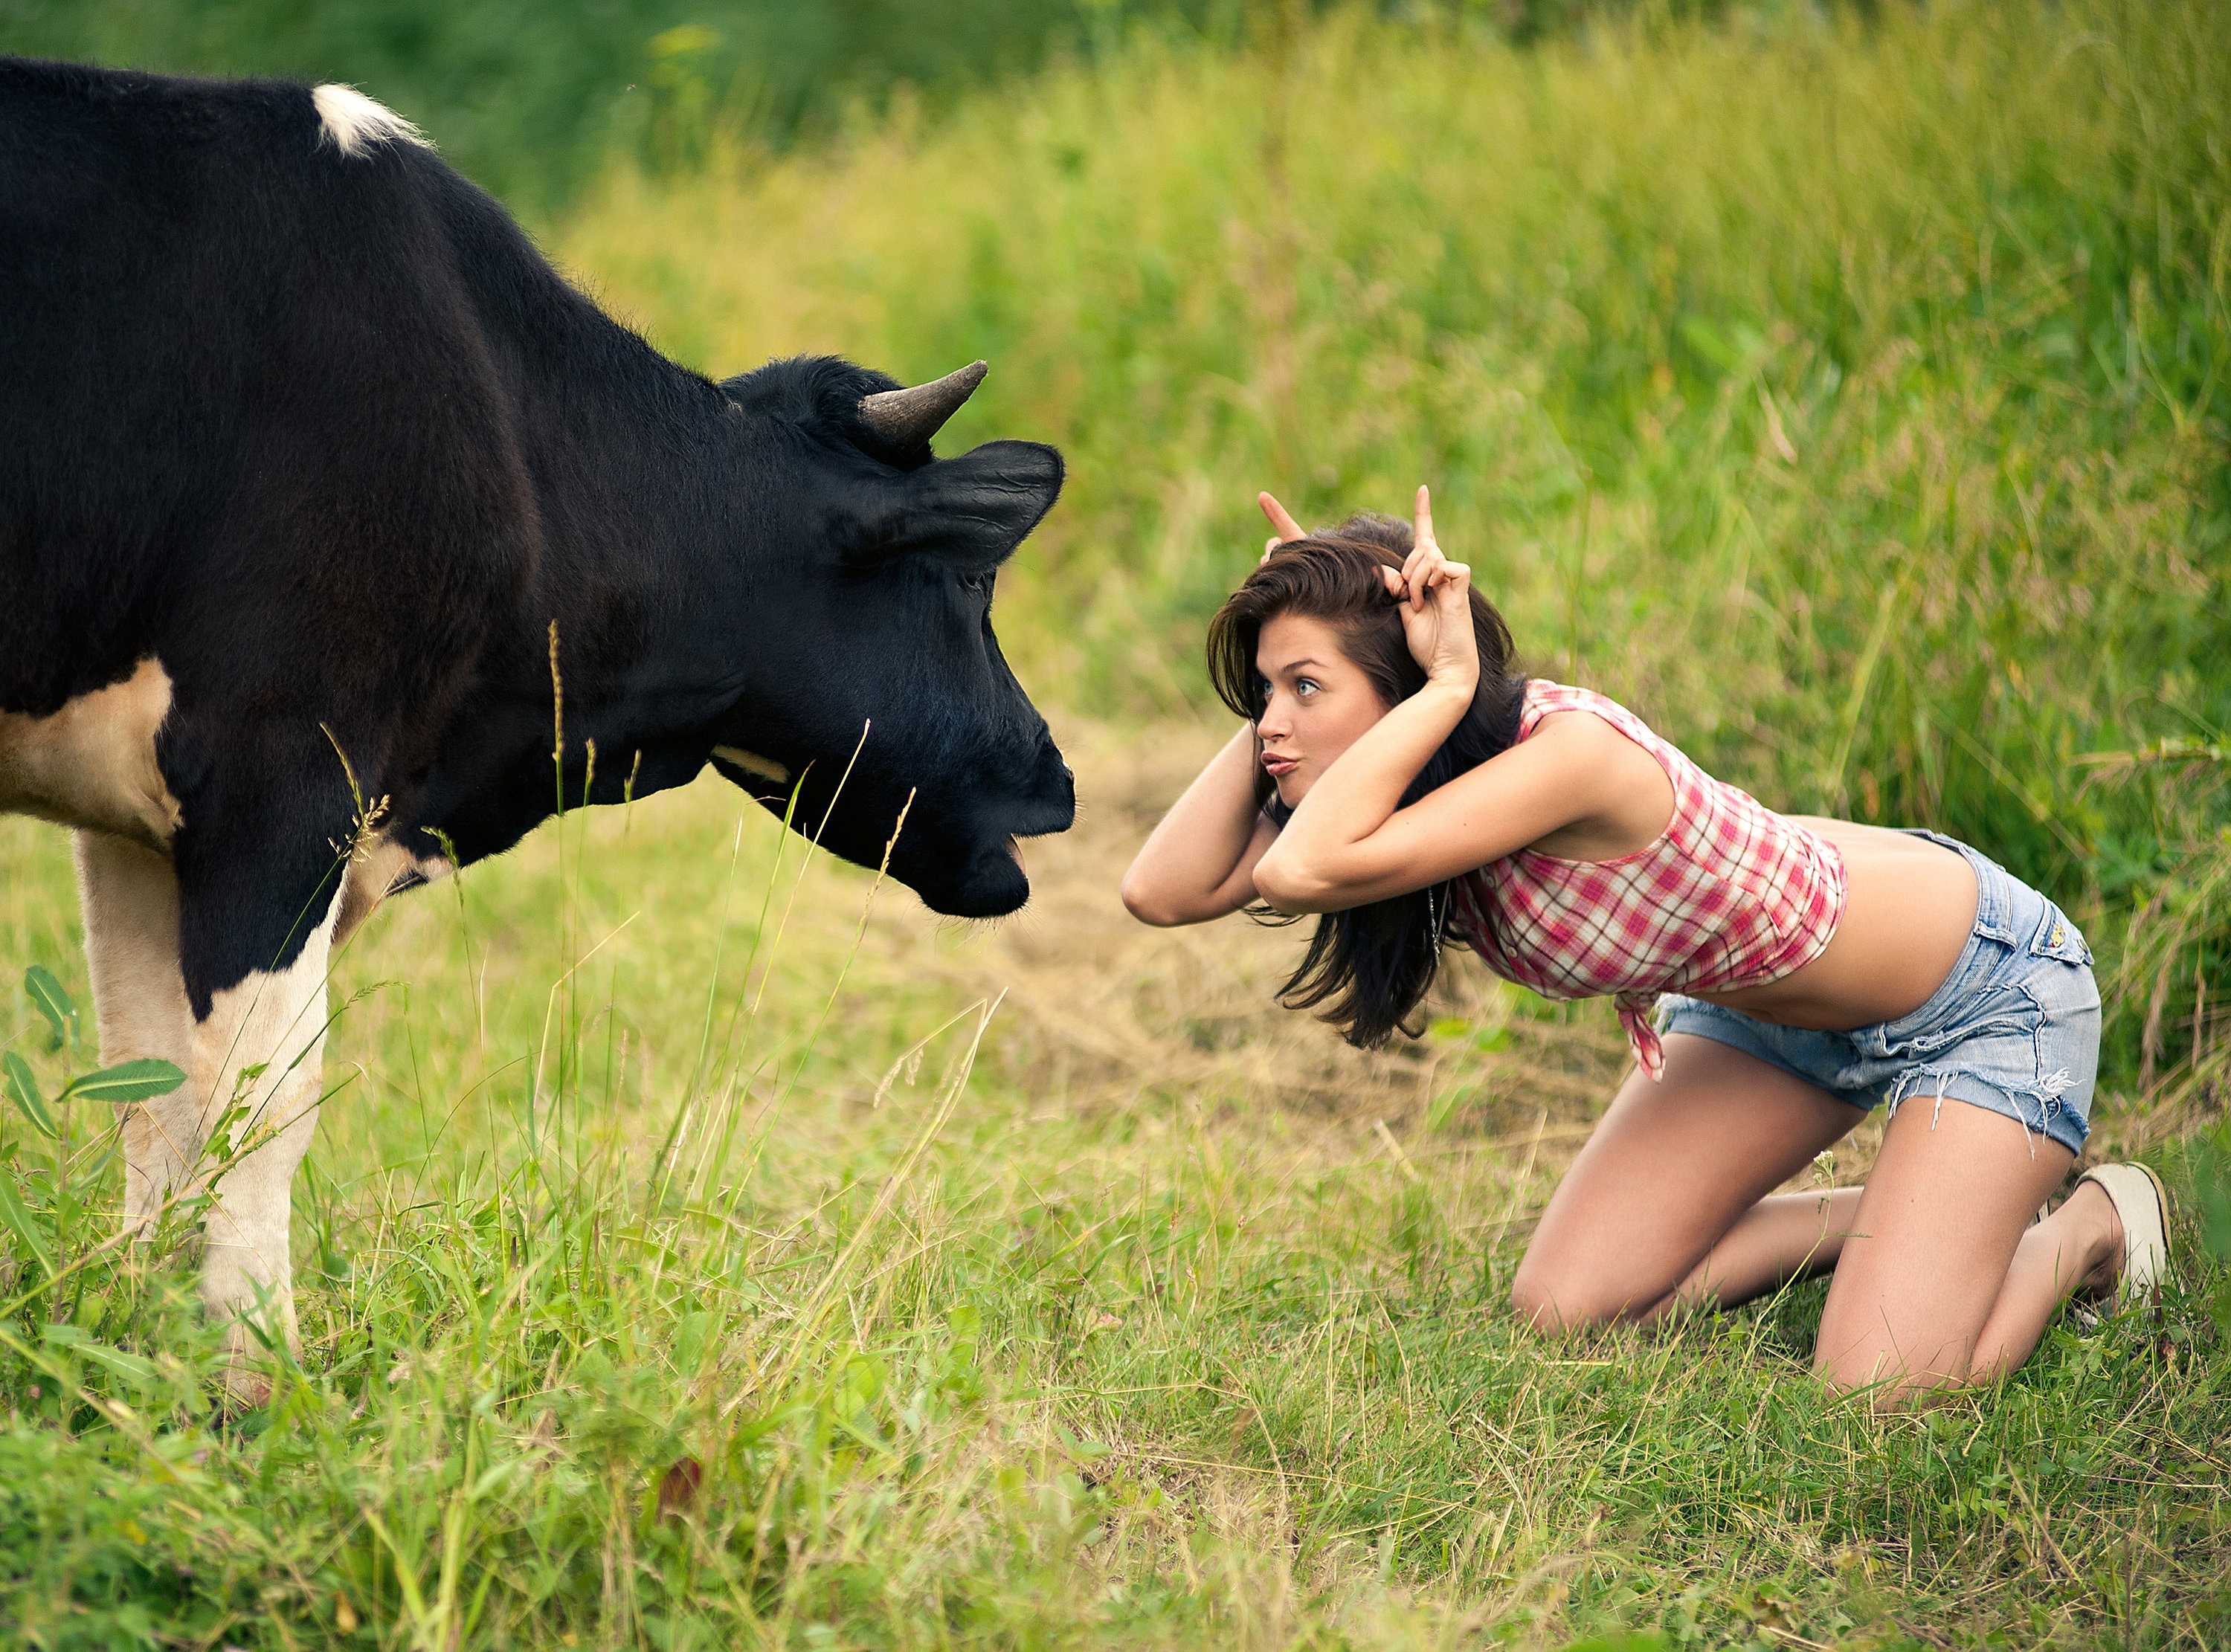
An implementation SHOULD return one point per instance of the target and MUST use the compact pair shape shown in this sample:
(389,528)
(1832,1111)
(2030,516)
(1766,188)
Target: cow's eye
(978,582)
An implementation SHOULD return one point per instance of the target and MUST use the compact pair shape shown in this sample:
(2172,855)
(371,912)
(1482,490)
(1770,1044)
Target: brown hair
(1374,962)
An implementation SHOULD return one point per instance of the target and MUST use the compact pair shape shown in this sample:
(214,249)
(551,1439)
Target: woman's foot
(2134,1228)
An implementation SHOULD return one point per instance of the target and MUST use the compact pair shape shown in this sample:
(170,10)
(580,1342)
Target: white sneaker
(2141,1204)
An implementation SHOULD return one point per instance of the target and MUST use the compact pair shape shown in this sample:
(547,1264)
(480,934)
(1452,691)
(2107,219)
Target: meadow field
(705,1246)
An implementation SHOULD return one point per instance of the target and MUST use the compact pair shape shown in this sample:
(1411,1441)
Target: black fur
(331,441)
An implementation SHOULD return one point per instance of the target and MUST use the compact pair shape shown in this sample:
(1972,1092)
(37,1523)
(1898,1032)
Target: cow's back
(250,420)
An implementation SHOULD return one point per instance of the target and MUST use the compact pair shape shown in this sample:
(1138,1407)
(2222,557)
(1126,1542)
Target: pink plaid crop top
(1731,895)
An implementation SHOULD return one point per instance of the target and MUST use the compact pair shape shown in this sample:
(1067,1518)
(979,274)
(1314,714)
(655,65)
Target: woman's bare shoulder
(1578,734)
(1615,793)
(1568,767)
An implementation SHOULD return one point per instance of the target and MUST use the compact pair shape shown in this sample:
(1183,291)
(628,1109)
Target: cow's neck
(614,639)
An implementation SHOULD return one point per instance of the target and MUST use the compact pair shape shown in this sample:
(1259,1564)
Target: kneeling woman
(1394,775)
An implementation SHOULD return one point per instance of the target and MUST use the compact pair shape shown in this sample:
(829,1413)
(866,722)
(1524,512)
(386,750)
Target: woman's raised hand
(1436,597)
(1287,527)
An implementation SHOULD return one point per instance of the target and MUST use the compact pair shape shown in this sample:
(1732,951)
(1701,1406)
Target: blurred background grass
(532,102)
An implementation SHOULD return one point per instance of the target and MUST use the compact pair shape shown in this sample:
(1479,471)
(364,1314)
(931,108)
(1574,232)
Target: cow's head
(872,674)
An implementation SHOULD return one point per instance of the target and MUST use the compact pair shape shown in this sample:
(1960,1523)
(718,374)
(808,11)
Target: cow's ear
(972,511)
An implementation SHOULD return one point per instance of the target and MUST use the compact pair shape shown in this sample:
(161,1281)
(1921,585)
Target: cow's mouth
(991,879)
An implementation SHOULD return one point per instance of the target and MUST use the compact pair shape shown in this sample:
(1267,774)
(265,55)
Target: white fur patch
(353,123)
(274,1022)
(752,763)
(92,765)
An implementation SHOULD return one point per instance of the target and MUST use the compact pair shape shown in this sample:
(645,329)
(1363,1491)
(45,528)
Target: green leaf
(17,1218)
(50,1000)
(127,1081)
(23,1091)
(115,1361)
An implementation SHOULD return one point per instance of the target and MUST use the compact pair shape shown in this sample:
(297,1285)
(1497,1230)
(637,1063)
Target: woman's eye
(1305,687)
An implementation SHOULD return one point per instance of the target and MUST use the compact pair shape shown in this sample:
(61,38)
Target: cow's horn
(908,417)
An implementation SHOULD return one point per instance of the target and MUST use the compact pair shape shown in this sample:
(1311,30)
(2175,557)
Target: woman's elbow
(1150,904)
(1290,888)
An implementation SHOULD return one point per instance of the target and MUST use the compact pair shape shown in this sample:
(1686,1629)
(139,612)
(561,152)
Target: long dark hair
(1374,962)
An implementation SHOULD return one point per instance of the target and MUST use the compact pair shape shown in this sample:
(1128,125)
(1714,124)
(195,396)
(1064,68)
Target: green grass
(1847,398)
(1014,1350)
(1032,1349)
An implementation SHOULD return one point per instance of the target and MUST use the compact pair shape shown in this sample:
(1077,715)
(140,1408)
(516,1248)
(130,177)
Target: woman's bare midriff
(1910,911)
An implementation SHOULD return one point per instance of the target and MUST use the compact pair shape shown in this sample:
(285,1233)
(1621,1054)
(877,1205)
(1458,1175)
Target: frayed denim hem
(2040,1112)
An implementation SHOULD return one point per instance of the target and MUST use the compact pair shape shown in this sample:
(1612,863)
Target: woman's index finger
(1424,516)
(1288,528)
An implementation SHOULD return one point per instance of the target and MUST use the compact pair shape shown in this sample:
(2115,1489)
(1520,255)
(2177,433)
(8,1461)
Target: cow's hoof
(242,1389)
(246,1381)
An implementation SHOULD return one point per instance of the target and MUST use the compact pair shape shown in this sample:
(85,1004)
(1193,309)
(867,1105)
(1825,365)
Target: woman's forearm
(1318,851)
(1197,863)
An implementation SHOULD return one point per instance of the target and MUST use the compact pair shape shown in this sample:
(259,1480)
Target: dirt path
(1102,1010)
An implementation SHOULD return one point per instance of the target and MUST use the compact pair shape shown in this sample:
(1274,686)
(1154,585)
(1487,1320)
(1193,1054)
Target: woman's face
(1318,701)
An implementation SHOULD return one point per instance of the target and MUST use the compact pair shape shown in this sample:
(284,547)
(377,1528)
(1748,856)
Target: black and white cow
(310,469)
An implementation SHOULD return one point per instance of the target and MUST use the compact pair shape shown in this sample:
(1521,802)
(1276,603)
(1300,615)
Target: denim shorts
(2014,1028)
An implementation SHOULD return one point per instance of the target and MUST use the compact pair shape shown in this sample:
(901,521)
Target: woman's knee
(1553,1301)
(1536,1307)
(1873,1369)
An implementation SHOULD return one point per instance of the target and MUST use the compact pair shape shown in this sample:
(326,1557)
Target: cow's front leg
(267,825)
(131,899)
(256,1060)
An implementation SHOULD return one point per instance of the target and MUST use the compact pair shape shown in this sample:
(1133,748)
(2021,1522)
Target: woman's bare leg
(1783,1236)
(2077,1247)
(1668,1198)
(1942,1281)
(1940,1278)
